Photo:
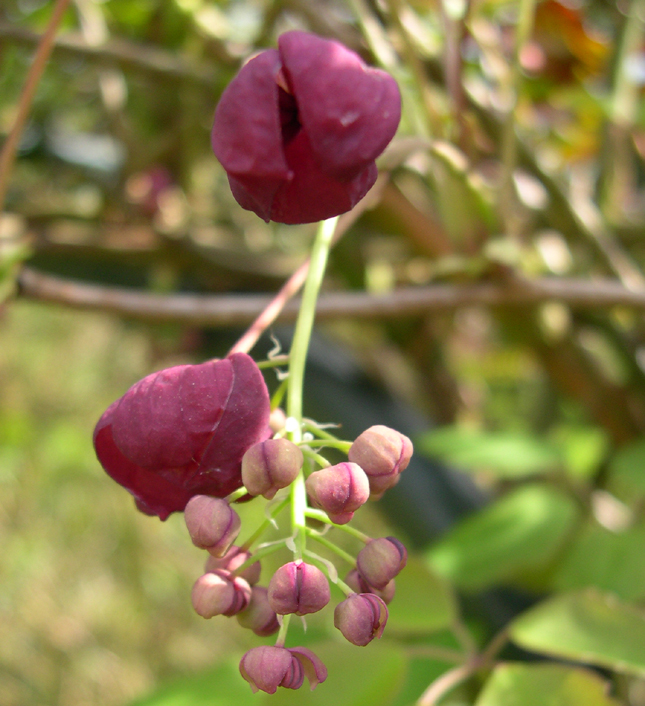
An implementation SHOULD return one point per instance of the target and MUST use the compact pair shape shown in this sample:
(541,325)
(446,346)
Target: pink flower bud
(258,614)
(217,593)
(266,668)
(355,581)
(339,490)
(212,523)
(361,618)
(380,560)
(271,465)
(298,588)
(231,561)
(383,454)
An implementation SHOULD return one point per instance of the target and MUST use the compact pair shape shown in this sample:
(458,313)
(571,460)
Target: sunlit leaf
(544,685)
(585,626)
(627,467)
(521,530)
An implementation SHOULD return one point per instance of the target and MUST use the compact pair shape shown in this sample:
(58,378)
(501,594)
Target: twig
(45,44)
(235,310)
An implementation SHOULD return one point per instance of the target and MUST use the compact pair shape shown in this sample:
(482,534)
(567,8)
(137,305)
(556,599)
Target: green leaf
(358,676)
(627,467)
(610,561)
(506,455)
(522,530)
(223,686)
(424,603)
(585,626)
(544,685)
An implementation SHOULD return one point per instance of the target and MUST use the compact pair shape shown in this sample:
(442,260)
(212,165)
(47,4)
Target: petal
(265,667)
(349,110)
(311,195)
(314,668)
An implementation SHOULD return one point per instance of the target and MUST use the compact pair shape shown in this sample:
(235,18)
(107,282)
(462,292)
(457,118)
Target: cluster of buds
(229,585)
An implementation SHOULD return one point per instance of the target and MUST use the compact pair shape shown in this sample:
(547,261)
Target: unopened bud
(298,588)
(356,582)
(271,465)
(212,523)
(217,593)
(266,668)
(232,560)
(258,614)
(361,618)
(380,560)
(383,454)
(339,490)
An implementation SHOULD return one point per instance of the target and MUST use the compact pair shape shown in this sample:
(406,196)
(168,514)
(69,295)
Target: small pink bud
(356,582)
(258,614)
(383,454)
(212,523)
(298,588)
(231,561)
(380,560)
(339,490)
(271,465)
(217,593)
(266,668)
(361,618)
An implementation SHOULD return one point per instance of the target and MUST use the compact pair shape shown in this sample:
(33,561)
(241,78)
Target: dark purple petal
(313,666)
(349,111)
(183,431)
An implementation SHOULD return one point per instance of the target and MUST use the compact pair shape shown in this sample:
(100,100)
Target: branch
(237,310)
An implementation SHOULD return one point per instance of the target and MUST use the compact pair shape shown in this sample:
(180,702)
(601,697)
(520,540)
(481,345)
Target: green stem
(263,527)
(320,460)
(342,445)
(282,635)
(330,545)
(317,431)
(322,517)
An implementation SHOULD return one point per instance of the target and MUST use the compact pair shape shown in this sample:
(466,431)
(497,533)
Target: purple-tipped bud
(258,614)
(217,593)
(266,668)
(356,582)
(361,618)
(339,490)
(212,523)
(271,465)
(231,561)
(383,454)
(298,588)
(380,560)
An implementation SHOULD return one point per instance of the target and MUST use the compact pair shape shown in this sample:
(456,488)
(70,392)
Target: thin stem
(464,636)
(330,545)
(263,526)
(8,154)
(273,362)
(320,460)
(446,682)
(322,517)
(314,429)
(282,634)
(326,443)
(237,494)
(279,394)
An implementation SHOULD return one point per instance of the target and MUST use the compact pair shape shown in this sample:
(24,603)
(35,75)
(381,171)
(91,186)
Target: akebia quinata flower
(298,129)
(183,431)
(298,588)
(266,668)
(361,617)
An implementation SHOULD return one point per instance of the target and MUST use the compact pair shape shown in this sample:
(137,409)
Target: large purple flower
(183,431)
(298,129)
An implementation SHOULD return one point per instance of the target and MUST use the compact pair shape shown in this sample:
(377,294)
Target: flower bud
(231,561)
(383,454)
(361,618)
(267,668)
(217,593)
(271,465)
(298,588)
(258,614)
(356,582)
(339,490)
(380,560)
(212,523)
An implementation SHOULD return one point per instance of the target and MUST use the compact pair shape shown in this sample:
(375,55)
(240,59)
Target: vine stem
(297,361)
(8,154)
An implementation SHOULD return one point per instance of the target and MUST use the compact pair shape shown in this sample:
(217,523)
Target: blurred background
(503,252)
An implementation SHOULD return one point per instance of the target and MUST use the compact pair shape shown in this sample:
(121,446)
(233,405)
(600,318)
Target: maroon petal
(312,195)
(313,666)
(349,111)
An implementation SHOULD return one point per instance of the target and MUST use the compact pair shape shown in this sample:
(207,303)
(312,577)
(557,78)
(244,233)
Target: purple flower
(183,431)
(258,614)
(267,668)
(380,560)
(212,523)
(271,465)
(361,617)
(298,129)
(298,588)
(220,593)
(339,490)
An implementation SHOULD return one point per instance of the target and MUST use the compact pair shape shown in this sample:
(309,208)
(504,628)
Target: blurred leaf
(370,676)
(423,603)
(610,561)
(422,672)
(544,685)
(219,687)
(627,467)
(521,530)
(507,455)
(585,626)
(583,449)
